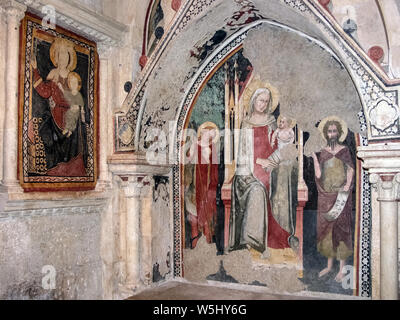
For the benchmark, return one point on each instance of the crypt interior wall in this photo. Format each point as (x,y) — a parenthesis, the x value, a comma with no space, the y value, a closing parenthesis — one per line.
(129,232)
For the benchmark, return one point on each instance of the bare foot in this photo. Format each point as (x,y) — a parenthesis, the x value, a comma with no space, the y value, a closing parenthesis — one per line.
(324,272)
(339,276)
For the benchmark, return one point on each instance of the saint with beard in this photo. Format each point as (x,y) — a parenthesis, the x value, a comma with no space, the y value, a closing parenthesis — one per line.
(334,172)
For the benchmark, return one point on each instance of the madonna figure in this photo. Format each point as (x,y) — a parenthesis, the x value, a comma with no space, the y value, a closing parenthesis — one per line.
(252,224)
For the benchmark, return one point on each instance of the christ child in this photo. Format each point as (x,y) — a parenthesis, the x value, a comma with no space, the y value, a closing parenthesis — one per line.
(75,99)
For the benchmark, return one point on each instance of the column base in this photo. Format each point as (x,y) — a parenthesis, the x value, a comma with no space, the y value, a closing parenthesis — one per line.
(7,188)
(126,291)
(11,187)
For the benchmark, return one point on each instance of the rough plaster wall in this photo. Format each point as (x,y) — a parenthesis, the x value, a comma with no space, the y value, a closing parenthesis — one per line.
(71,244)
(161,230)
(201,264)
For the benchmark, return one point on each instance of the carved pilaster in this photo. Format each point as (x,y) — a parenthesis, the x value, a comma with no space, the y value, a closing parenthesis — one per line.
(104,50)
(383,164)
(138,194)
(14,12)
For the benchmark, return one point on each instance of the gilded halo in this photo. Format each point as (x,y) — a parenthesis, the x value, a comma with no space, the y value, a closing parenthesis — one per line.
(292,122)
(257,83)
(334,118)
(65,44)
(210,126)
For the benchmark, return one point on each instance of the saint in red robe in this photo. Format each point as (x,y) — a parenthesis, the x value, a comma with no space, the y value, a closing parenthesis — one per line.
(206,194)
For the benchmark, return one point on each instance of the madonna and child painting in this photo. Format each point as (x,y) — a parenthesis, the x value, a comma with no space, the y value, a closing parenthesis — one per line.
(58,101)
(254,187)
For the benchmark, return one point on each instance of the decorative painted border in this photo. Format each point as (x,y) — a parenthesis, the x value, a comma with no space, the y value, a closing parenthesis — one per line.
(365,217)
(365,225)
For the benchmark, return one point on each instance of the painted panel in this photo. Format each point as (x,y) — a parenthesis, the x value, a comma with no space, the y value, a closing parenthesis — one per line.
(58,109)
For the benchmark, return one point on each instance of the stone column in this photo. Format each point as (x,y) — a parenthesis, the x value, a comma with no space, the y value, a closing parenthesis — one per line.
(133,187)
(14,14)
(387,185)
(135,178)
(104,176)
(383,163)
(146,231)
(3,39)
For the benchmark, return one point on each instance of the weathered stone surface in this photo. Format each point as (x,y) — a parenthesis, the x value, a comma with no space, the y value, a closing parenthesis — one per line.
(71,244)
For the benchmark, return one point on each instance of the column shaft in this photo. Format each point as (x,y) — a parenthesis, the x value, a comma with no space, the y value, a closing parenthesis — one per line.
(103,116)
(389,250)
(132,241)
(3,39)
(10,153)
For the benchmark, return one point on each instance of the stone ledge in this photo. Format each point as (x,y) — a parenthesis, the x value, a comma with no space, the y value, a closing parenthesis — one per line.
(83,21)
(380,157)
(38,208)
(135,164)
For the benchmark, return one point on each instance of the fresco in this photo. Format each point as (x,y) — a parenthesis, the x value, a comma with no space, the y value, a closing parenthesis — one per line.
(276,203)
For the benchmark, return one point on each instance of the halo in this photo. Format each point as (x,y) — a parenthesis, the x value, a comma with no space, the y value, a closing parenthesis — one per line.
(255,84)
(69,46)
(208,125)
(343,124)
(292,121)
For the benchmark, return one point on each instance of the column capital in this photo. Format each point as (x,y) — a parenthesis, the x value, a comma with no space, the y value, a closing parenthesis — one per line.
(387,185)
(13,10)
(382,161)
(136,186)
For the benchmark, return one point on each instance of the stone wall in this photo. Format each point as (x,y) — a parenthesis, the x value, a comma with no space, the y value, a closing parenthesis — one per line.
(34,242)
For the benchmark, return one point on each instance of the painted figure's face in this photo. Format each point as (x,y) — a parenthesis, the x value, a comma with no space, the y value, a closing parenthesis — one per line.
(63,58)
(74,84)
(208,135)
(261,103)
(333,136)
(333,133)
(283,123)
